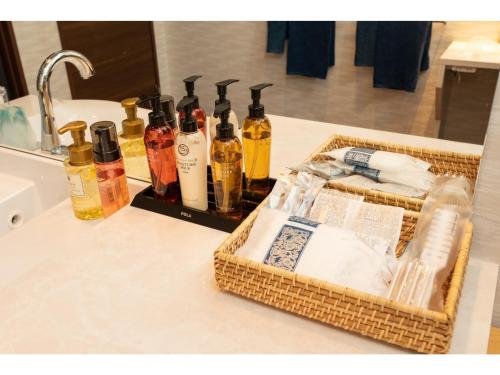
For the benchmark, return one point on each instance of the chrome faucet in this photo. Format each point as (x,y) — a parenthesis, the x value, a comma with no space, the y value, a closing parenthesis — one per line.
(50,138)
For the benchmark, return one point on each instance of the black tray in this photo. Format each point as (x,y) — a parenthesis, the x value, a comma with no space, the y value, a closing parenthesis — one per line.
(147,201)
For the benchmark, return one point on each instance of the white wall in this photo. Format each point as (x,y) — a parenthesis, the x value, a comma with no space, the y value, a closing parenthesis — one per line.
(486,218)
(36,41)
(220,50)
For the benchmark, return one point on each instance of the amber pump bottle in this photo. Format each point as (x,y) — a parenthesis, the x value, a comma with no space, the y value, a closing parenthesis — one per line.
(110,169)
(222,92)
(198,113)
(131,141)
(257,143)
(159,139)
(226,161)
(81,173)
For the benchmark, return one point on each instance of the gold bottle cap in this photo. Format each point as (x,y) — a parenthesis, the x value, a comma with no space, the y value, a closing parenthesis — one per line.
(80,152)
(133,127)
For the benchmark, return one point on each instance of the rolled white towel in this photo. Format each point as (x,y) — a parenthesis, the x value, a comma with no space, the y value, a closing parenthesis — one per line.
(382,160)
(420,179)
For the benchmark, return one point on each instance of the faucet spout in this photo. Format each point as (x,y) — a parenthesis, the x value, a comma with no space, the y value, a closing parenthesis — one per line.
(50,138)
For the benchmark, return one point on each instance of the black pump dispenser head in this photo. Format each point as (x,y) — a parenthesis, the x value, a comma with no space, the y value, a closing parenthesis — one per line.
(222,90)
(256,110)
(188,123)
(156,116)
(168,107)
(105,142)
(224,128)
(189,83)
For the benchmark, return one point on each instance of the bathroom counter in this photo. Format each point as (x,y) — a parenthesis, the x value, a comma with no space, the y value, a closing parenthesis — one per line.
(474,54)
(139,282)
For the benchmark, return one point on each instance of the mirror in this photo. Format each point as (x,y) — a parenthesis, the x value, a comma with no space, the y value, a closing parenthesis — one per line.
(350,80)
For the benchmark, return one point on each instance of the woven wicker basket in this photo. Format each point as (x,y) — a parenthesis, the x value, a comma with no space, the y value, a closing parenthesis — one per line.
(407,326)
(441,162)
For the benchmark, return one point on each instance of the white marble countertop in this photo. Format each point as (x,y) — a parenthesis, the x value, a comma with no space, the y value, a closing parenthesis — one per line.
(480,53)
(139,282)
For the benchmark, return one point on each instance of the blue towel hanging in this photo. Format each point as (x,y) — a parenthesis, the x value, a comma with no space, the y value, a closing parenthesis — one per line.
(311,45)
(398,51)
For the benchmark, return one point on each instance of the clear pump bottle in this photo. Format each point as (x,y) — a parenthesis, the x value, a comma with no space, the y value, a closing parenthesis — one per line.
(131,141)
(226,161)
(191,156)
(81,173)
(222,91)
(257,143)
(110,169)
(198,113)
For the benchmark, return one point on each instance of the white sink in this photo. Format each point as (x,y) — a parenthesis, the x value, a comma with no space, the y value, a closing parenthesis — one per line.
(89,111)
(29,185)
(18,202)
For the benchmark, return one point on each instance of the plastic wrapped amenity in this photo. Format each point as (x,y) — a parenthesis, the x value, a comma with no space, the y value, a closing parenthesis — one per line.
(421,275)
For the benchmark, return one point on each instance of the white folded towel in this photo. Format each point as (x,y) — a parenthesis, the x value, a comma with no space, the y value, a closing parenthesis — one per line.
(321,251)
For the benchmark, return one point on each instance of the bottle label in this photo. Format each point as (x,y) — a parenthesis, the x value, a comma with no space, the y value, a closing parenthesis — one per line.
(185,161)
(183,149)
(76,185)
